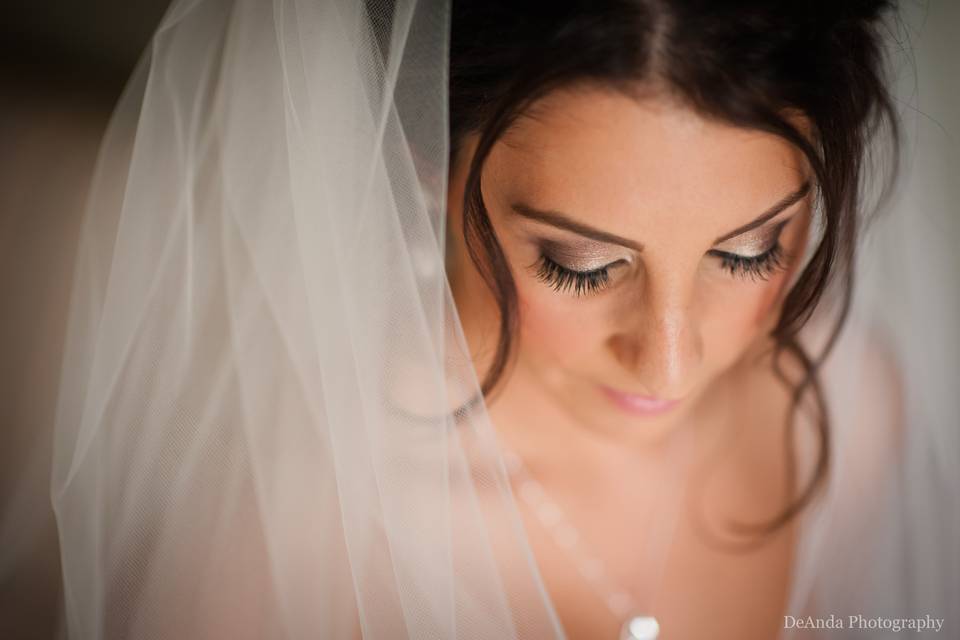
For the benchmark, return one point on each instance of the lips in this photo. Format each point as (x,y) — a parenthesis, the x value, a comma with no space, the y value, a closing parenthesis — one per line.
(637,404)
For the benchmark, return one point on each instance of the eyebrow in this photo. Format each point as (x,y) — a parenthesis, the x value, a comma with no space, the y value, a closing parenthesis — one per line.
(562,221)
(782,204)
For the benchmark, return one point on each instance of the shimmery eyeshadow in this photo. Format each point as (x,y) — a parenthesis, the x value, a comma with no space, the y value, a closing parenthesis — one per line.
(580,256)
(758,242)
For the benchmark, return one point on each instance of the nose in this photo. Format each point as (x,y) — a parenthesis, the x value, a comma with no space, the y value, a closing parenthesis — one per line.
(659,345)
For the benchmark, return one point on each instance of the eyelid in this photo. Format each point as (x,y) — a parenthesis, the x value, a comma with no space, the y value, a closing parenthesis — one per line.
(757,241)
(581,256)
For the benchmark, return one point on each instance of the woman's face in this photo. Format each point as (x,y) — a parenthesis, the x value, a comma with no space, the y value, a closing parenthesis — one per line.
(644,244)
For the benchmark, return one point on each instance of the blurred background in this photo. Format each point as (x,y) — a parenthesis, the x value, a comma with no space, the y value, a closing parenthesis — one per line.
(62,67)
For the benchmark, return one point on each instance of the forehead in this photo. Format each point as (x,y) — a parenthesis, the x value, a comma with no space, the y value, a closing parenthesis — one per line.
(612,157)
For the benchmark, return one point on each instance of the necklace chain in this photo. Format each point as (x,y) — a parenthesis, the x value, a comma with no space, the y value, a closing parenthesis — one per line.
(621,603)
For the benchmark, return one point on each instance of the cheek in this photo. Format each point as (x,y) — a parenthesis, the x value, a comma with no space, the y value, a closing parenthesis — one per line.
(730,328)
(556,329)
(752,312)
(768,302)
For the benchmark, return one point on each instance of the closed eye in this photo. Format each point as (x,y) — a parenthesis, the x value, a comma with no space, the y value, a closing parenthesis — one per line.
(562,279)
(759,267)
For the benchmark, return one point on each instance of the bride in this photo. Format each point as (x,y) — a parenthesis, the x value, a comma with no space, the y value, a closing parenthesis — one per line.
(394,320)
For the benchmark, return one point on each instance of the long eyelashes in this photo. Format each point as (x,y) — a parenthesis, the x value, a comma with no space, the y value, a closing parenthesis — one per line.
(759,267)
(563,279)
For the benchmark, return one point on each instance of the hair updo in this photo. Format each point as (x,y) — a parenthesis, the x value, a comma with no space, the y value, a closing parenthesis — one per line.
(748,63)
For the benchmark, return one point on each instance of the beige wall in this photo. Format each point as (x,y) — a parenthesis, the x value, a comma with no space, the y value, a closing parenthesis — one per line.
(48,142)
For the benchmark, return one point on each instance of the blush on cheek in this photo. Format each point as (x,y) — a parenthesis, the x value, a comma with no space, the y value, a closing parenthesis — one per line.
(730,330)
(550,332)
(768,304)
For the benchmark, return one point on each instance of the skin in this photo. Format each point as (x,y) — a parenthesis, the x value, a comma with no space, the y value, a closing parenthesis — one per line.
(671,323)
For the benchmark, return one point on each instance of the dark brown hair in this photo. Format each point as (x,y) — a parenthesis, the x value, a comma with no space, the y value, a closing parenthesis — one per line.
(745,63)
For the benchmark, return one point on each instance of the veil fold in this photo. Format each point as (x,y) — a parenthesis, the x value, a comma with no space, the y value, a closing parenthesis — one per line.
(256,433)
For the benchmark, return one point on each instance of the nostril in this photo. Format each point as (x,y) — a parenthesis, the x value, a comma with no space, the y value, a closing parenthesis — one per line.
(626,350)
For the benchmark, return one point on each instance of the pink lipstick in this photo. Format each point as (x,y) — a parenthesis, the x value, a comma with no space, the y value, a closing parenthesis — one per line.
(639,405)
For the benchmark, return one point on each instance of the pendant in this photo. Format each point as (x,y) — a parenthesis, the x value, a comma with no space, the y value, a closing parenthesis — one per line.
(640,628)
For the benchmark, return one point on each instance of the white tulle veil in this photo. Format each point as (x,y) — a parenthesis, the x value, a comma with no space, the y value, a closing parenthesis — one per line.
(257,435)
(266,424)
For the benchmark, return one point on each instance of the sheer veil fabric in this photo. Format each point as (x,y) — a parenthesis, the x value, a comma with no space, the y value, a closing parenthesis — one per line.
(267,423)
(256,435)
